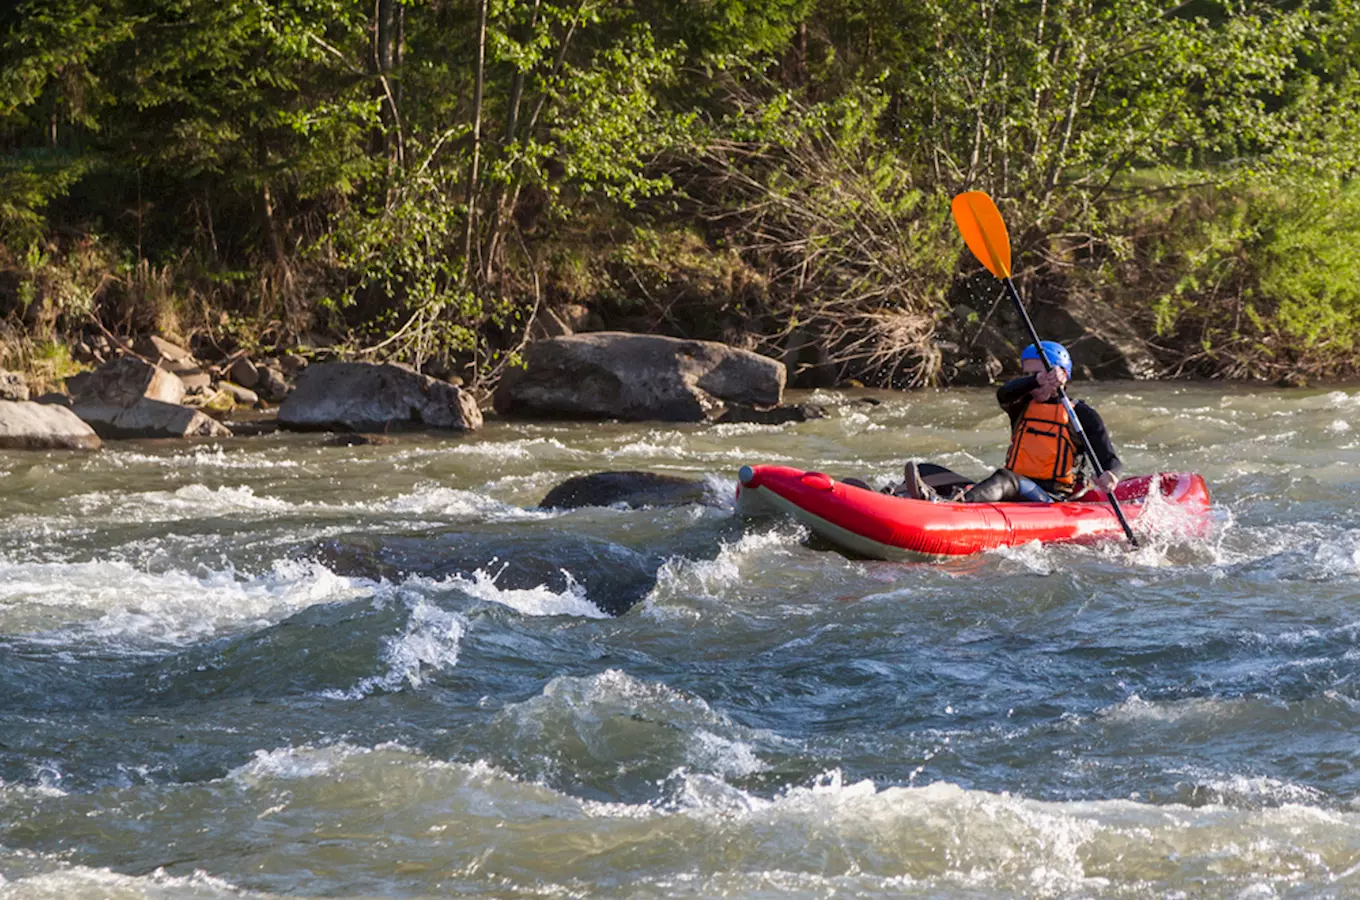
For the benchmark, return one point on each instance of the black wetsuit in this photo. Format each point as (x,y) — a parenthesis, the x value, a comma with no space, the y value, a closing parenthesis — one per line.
(1014,397)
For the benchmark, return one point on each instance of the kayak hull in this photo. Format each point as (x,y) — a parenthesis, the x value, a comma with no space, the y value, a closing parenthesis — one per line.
(880,526)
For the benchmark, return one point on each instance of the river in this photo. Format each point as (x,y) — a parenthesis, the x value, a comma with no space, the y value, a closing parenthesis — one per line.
(270,667)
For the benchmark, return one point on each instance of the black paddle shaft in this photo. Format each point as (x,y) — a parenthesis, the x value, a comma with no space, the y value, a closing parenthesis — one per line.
(1072,419)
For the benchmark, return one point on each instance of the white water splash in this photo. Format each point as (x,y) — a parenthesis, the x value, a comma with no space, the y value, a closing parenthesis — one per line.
(429,643)
(680,578)
(71,882)
(614,719)
(203,456)
(126,608)
(535,601)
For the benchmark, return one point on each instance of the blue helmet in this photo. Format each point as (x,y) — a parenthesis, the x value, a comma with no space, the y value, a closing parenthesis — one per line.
(1057,355)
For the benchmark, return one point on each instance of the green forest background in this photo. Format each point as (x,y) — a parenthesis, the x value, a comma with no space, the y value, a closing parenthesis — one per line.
(421,181)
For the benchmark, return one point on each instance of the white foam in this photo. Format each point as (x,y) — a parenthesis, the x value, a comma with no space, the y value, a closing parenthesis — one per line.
(306,761)
(504,451)
(198,501)
(1137,710)
(194,501)
(70,882)
(429,643)
(535,601)
(126,608)
(713,578)
(446,502)
(202,456)
(589,709)
(675,450)
(1252,790)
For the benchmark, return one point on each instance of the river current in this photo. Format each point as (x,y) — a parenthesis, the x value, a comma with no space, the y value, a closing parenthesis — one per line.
(271,667)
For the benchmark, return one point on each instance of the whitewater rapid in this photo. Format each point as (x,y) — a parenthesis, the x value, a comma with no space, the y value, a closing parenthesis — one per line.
(268,667)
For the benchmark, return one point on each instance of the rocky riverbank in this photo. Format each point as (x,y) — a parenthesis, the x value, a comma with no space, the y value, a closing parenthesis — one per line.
(155,388)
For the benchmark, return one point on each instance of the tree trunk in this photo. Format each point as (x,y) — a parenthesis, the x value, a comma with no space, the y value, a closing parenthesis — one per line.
(267,219)
(388,24)
(478,85)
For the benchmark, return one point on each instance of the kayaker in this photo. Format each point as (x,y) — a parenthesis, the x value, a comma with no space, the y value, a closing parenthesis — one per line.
(1045,459)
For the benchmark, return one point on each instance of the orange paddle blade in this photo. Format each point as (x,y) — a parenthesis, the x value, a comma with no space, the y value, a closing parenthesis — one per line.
(983,231)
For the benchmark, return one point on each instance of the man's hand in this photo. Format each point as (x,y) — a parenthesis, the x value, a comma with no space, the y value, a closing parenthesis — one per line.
(1049,382)
(1106,481)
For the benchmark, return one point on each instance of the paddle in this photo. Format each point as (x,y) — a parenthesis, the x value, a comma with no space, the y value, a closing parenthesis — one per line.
(984,232)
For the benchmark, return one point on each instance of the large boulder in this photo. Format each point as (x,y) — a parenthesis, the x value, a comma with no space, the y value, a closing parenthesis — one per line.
(149,418)
(612,375)
(1103,343)
(633,489)
(124,382)
(38,426)
(368,397)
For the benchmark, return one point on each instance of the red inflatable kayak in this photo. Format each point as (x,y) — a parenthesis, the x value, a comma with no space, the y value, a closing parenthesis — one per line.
(880,526)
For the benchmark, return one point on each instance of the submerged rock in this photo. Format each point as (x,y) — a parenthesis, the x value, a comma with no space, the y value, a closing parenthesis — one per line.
(38,426)
(352,439)
(775,415)
(367,397)
(629,488)
(637,377)
(609,576)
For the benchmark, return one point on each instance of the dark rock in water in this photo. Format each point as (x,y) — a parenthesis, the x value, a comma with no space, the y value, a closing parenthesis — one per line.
(355,440)
(614,577)
(630,488)
(366,397)
(775,415)
(53,398)
(638,377)
(254,426)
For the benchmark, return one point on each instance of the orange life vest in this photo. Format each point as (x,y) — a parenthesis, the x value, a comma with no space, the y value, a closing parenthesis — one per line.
(1043,447)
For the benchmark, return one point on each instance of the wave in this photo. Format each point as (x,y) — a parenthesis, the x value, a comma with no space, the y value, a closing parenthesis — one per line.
(429,643)
(125,608)
(71,882)
(202,456)
(540,600)
(681,579)
(591,728)
(498,831)
(198,501)
(120,606)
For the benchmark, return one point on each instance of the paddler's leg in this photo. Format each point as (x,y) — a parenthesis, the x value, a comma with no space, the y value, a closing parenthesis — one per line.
(1003,486)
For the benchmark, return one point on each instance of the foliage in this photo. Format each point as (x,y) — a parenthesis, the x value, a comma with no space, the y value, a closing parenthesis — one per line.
(768,171)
